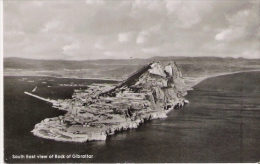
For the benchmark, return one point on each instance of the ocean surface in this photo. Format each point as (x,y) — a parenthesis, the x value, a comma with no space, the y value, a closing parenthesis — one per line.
(221,124)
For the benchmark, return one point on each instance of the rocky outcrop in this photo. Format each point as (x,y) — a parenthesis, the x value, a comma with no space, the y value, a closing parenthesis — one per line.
(149,93)
(162,85)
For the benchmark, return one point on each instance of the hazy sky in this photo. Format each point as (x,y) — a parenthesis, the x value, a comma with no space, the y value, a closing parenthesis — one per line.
(95,29)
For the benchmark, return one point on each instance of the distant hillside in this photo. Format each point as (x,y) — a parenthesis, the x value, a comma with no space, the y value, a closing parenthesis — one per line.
(120,68)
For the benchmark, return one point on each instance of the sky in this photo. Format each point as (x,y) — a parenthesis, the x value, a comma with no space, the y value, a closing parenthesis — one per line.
(124,29)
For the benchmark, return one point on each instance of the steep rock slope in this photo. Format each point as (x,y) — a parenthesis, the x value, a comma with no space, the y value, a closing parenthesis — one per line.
(162,85)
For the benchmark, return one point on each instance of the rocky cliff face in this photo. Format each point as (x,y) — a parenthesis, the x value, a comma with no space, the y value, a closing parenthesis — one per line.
(162,85)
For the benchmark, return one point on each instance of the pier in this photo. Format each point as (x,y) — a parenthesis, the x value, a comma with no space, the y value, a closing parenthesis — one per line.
(41,98)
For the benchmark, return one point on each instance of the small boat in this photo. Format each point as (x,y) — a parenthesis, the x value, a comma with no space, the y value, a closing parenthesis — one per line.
(34,89)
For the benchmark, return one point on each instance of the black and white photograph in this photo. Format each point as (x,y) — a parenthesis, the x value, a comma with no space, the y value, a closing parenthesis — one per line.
(131,81)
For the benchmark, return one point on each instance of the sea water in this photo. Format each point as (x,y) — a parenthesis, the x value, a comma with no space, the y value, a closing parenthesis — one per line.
(221,124)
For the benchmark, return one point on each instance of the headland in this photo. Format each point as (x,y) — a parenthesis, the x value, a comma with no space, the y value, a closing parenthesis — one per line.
(149,93)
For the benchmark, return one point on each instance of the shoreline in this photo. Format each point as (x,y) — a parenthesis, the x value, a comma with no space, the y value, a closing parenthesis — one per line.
(197,80)
(101,136)
(55,128)
(55,131)
(149,93)
(105,79)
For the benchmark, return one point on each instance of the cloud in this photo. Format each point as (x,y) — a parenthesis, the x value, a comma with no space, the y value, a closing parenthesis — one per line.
(99,46)
(251,54)
(242,24)
(217,47)
(96,29)
(240,18)
(232,33)
(151,50)
(149,5)
(172,6)
(188,13)
(125,37)
(95,2)
(51,25)
(14,33)
(109,53)
(71,49)
(148,35)
(142,37)
(38,3)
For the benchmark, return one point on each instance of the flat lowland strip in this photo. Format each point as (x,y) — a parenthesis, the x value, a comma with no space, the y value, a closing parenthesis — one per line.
(120,69)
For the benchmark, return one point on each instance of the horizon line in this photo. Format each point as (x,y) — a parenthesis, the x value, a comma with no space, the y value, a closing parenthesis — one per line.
(137,58)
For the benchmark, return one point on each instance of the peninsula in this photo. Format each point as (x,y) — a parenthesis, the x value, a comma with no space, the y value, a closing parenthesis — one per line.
(102,109)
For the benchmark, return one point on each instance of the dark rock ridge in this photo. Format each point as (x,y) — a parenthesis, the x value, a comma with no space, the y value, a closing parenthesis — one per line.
(149,93)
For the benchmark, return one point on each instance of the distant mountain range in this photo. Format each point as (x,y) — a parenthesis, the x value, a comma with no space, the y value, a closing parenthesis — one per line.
(23,63)
(120,68)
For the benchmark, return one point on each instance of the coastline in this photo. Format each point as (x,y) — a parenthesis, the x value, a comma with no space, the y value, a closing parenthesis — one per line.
(53,128)
(100,110)
(105,79)
(98,136)
(104,130)
(197,80)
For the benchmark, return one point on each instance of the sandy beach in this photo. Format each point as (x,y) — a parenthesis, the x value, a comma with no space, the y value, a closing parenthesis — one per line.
(192,81)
